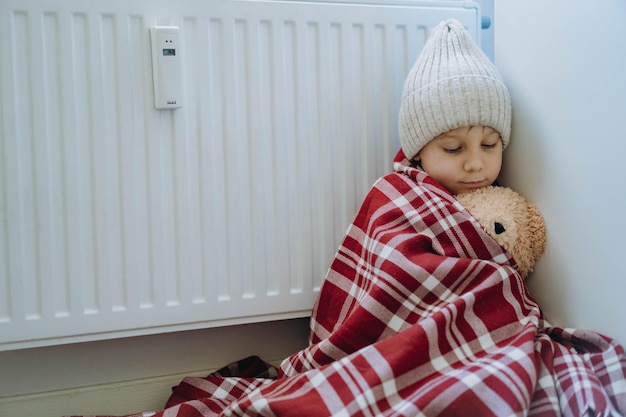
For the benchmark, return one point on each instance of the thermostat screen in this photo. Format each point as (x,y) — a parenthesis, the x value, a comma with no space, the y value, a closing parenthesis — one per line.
(169,52)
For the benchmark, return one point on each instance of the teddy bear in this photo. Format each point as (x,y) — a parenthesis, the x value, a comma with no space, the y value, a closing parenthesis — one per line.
(511,220)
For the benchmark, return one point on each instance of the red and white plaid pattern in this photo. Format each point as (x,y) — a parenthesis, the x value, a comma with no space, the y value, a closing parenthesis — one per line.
(423,314)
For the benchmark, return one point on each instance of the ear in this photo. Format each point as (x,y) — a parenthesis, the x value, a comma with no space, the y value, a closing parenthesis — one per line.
(537,228)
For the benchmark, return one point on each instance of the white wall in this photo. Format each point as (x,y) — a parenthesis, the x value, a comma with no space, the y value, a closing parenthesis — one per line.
(72,379)
(565,65)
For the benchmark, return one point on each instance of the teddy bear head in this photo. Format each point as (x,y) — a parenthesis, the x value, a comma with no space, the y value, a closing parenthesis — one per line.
(511,220)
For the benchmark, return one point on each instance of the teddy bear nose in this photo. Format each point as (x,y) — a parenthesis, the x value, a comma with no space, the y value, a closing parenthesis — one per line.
(499,228)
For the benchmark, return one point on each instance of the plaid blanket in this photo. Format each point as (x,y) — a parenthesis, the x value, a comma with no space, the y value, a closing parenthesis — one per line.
(421,314)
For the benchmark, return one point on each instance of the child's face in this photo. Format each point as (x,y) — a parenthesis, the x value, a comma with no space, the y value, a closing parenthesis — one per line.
(463,159)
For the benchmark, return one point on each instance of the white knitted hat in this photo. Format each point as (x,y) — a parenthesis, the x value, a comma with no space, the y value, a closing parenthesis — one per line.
(452,84)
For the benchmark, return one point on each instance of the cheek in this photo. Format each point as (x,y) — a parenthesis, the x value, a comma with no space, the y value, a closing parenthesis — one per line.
(436,167)
(496,164)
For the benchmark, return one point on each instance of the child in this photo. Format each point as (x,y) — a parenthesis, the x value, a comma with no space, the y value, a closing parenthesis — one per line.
(410,237)
(455,116)
(421,311)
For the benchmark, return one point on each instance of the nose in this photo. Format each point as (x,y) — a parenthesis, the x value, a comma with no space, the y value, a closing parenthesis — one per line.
(473,161)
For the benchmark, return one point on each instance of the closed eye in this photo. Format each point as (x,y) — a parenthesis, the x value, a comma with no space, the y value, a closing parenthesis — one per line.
(452,150)
(490,146)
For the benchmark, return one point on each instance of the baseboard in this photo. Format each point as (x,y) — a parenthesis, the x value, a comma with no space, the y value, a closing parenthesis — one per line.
(110,399)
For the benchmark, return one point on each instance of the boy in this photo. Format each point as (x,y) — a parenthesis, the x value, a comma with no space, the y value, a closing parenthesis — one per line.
(455,116)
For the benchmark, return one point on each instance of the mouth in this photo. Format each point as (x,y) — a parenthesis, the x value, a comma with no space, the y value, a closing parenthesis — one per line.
(473,184)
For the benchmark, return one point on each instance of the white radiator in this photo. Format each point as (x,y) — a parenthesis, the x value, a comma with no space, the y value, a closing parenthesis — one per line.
(117,219)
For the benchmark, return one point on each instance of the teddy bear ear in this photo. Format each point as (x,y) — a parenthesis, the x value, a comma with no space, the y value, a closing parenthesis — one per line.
(537,228)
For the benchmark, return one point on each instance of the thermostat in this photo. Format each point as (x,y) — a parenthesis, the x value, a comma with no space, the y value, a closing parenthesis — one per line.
(166,67)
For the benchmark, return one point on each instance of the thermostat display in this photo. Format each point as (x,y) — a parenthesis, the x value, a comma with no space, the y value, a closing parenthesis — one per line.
(166,67)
